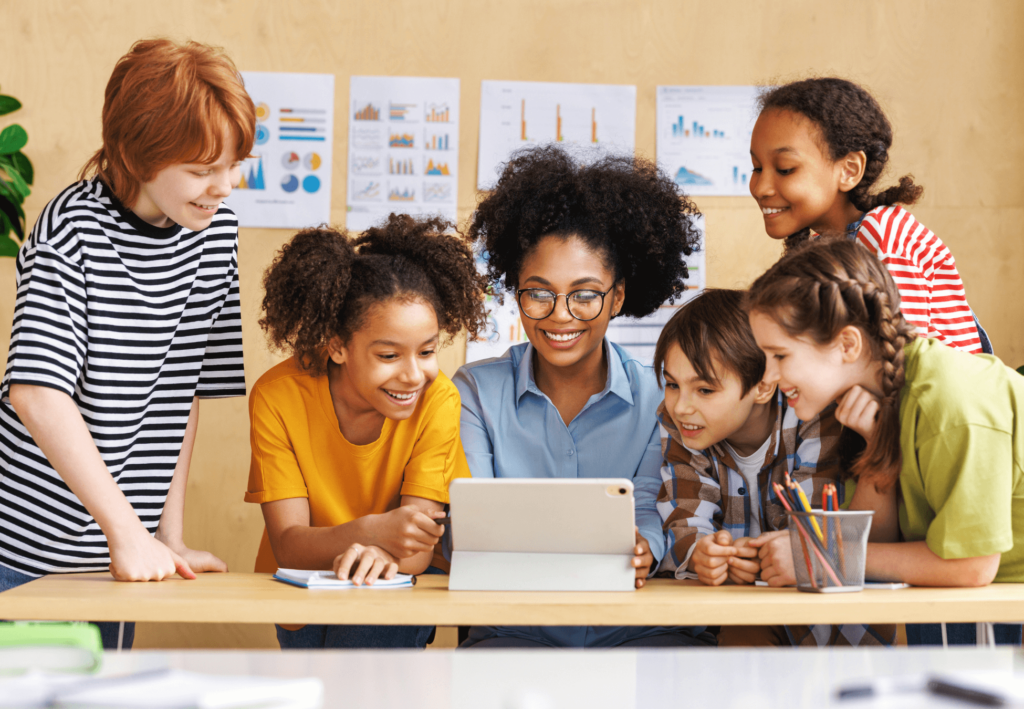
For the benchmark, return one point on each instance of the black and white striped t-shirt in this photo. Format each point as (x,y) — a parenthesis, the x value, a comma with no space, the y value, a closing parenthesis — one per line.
(132,321)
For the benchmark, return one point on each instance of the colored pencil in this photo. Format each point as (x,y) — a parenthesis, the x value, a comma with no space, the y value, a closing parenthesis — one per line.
(803,544)
(807,508)
(816,544)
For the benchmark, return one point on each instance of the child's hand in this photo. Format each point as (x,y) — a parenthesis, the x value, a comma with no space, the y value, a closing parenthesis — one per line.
(141,557)
(744,567)
(643,559)
(407,530)
(858,410)
(710,558)
(365,564)
(776,558)
(202,562)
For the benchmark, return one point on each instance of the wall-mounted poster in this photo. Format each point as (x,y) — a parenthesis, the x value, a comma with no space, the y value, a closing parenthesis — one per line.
(403,148)
(287,182)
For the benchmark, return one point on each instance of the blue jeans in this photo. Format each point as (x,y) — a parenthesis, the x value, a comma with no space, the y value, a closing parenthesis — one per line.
(959,634)
(9,578)
(357,636)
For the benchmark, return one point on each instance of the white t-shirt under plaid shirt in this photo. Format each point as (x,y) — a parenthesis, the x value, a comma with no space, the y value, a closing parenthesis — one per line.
(132,322)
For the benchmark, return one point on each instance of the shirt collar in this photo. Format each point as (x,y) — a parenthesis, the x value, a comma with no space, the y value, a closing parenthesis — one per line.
(617,382)
(853,227)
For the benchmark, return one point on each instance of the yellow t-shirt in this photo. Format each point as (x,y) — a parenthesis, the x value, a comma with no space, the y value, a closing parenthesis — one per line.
(298,450)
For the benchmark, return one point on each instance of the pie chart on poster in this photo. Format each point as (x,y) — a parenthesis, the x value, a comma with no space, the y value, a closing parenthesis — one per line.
(311,161)
(262,134)
(290,183)
(290,160)
(311,183)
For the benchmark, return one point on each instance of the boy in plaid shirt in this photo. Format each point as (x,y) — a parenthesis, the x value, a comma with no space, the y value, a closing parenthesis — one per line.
(727,435)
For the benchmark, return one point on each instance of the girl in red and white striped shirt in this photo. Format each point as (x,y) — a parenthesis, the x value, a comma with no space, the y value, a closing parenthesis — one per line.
(818,147)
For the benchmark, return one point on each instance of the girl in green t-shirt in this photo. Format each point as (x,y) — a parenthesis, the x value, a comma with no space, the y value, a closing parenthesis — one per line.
(944,424)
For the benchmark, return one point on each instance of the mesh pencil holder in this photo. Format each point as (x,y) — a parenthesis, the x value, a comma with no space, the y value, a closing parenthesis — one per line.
(829,549)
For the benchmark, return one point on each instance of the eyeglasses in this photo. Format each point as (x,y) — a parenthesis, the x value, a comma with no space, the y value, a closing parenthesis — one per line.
(539,303)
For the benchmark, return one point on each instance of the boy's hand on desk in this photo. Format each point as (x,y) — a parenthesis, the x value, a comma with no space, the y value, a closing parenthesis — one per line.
(407,530)
(710,558)
(776,558)
(200,562)
(744,567)
(141,557)
(643,559)
(365,564)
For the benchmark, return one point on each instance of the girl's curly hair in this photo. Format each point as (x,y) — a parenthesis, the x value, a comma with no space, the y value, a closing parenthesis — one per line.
(323,282)
(622,207)
(850,120)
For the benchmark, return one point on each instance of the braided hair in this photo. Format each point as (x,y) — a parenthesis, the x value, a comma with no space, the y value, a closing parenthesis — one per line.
(850,120)
(323,282)
(622,207)
(832,283)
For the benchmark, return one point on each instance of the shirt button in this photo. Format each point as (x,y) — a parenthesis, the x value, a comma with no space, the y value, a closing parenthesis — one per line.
(742,491)
(570,452)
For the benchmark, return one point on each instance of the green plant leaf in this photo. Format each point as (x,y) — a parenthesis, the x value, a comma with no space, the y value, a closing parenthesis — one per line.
(13,216)
(18,183)
(8,104)
(23,165)
(12,195)
(8,246)
(12,139)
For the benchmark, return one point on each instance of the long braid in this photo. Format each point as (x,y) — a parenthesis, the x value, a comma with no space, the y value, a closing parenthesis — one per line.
(824,286)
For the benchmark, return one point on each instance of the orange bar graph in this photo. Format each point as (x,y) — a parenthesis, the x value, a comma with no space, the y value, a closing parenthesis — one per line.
(369,113)
(593,125)
(436,116)
(558,126)
(523,120)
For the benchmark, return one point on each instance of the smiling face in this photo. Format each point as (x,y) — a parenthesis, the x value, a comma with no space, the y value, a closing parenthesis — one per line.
(564,265)
(706,412)
(390,361)
(794,180)
(189,194)
(811,376)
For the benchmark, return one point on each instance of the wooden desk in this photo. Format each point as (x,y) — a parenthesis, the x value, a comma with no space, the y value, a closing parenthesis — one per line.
(255,598)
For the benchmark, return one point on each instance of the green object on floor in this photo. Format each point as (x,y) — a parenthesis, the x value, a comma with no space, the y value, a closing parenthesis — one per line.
(50,647)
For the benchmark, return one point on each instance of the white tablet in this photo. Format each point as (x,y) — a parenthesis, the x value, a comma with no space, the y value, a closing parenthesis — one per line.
(544,534)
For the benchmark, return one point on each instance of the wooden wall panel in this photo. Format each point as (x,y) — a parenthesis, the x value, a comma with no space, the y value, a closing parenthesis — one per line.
(949,74)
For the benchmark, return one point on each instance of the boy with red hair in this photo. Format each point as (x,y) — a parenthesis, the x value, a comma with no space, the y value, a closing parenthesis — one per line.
(127,314)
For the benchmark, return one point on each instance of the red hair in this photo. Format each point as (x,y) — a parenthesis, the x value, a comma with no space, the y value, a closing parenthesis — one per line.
(169,104)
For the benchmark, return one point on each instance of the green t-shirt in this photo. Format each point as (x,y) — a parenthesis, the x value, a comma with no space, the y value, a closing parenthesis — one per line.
(962,435)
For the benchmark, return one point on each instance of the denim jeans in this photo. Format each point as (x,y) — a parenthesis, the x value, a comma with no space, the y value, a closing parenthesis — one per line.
(959,634)
(357,636)
(9,578)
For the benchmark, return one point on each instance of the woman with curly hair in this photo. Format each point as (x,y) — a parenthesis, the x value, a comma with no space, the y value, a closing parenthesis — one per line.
(578,245)
(355,437)
(818,148)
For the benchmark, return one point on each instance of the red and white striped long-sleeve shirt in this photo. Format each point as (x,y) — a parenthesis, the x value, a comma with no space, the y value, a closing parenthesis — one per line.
(931,291)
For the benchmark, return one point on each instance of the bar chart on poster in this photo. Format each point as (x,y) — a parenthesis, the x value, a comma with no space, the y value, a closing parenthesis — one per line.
(286,183)
(704,137)
(403,153)
(594,118)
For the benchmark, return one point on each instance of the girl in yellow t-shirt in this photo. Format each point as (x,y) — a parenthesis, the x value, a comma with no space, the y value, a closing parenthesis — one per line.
(355,438)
